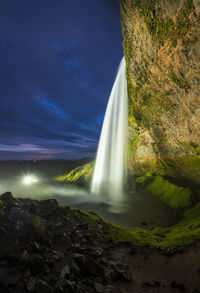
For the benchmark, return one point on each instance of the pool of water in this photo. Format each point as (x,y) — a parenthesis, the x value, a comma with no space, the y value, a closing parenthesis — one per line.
(136,208)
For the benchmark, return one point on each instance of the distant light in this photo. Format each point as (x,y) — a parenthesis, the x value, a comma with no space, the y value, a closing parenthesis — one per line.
(29,180)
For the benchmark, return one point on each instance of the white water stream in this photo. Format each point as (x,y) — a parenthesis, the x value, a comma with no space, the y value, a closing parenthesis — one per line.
(110,166)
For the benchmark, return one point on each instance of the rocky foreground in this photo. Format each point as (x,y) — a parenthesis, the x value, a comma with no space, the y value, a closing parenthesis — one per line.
(45,248)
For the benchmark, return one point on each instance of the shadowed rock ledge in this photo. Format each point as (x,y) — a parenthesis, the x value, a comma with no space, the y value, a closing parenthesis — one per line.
(46,248)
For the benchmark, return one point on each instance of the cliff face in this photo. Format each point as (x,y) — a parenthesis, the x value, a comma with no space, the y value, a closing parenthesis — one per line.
(162,51)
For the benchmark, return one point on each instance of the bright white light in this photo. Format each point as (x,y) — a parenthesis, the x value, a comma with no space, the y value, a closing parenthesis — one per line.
(29,180)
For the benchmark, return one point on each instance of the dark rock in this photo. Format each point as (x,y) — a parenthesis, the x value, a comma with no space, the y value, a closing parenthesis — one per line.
(12,277)
(38,265)
(144,223)
(43,287)
(31,284)
(65,272)
(7,197)
(152,284)
(79,258)
(95,268)
(71,285)
(32,208)
(35,246)
(99,288)
(2,231)
(75,266)
(104,260)
(176,285)
(27,273)
(121,274)
(133,250)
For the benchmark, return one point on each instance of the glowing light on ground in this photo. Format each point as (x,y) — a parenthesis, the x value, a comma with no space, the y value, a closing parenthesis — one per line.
(28,180)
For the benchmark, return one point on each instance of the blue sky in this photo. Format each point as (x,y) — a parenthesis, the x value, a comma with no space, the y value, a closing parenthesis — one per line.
(58,63)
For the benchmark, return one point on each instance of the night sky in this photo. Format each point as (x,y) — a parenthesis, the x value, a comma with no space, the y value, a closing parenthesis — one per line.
(58,61)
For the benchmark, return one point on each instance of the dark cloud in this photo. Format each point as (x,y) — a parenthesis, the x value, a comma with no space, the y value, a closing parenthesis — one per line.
(58,63)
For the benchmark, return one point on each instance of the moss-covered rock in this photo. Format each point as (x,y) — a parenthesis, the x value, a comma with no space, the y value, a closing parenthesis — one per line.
(183,233)
(80,175)
(170,193)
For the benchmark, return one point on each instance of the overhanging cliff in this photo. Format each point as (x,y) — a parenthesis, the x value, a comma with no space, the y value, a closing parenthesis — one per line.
(162,51)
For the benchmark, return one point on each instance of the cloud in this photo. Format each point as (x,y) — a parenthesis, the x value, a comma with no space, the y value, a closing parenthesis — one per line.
(58,63)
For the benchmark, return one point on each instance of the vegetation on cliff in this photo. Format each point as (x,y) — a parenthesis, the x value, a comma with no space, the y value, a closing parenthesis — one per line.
(161,48)
(79,175)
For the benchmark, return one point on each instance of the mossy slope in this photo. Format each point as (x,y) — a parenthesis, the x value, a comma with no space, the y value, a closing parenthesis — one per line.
(80,175)
(183,233)
(171,194)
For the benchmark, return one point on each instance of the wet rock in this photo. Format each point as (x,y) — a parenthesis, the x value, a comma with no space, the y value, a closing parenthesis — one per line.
(2,274)
(7,197)
(27,273)
(2,231)
(176,285)
(84,289)
(121,274)
(56,254)
(38,265)
(31,284)
(12,277)
(71,285)
(99,288)
(35,246)
(104,260)
(47,209)
(79,258)
(65,272)
(32,208)
(75,266)
(43,287)
(24,256)
(95,268)
(152,284)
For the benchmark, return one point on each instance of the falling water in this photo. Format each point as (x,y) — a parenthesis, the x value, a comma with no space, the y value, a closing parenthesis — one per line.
(110,166)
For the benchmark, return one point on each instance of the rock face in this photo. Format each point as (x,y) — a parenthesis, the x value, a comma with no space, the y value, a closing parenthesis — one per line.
(162,51)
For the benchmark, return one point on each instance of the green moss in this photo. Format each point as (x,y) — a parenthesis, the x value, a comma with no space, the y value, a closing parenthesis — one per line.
(145,178)
(81,174)
(186,166)
(182,83)
(194,148)
(2,206)
(160,28)
(136,235)
(171,194)
(183,233)
(90,217)
(132,145)
(183,21)
(37,224)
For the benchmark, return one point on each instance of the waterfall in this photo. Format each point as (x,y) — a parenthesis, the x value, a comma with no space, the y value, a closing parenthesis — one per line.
(110,165)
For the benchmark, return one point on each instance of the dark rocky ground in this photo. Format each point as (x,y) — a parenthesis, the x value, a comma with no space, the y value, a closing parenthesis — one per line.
(45,248)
